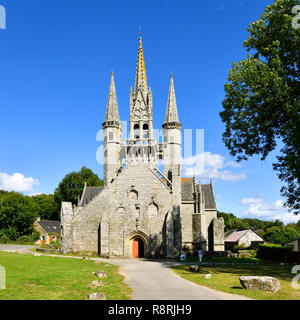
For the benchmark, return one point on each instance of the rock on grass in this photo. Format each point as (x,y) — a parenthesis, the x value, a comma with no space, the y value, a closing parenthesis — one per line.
(260,283)
(96,296)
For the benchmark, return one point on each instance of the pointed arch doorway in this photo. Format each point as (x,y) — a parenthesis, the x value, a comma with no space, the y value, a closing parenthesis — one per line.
(138,248)
(137,245)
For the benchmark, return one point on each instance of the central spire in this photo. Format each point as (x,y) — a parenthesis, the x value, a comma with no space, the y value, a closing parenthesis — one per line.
(141,78)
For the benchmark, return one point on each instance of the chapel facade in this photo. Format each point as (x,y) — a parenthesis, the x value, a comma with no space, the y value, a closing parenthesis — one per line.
(141,211)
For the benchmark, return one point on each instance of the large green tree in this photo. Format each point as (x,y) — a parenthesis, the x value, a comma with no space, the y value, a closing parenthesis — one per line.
(46,207)
(262,104)
(17,215)
(281,235)
(72,185)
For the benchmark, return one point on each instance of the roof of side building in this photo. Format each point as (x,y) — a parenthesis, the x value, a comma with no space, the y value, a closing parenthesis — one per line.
(187,191)
(89,194)
(50,226)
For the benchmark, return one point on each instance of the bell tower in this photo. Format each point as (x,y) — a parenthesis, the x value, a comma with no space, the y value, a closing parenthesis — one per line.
(141,146)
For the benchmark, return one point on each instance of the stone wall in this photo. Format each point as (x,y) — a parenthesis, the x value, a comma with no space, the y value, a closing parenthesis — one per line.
(137,202)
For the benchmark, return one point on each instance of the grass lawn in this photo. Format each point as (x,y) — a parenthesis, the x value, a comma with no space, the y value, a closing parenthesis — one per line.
(226,278)
(48,278)
(223,259)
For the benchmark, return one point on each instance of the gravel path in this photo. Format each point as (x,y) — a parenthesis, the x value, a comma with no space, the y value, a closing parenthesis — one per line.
(15,248)
(154,280)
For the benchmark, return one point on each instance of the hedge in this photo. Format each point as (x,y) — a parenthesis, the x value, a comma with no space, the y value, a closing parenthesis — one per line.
(273,252)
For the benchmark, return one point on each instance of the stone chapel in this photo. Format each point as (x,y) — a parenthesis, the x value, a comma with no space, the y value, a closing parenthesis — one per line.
(141,211)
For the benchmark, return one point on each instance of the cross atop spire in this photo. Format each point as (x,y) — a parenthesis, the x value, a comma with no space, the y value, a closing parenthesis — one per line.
(141,78)
(172,114)
(112,110)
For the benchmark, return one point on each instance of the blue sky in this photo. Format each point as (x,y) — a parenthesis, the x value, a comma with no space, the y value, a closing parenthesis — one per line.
(56,58)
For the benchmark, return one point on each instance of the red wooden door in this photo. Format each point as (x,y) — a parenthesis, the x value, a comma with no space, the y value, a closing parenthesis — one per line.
(135,248)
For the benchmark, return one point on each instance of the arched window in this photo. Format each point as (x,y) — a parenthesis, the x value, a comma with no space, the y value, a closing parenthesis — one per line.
(145,126)
(133,195)
(153,210)
(136,126)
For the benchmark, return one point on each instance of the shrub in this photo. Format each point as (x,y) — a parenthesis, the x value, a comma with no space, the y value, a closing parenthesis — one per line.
(273,252)
(240,247)
(4,239)
(35,236)
(24,239)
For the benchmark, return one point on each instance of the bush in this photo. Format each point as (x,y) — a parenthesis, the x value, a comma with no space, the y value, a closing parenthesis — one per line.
(273,252)
(4,239)
(35,236)
(24,239)
(240,247)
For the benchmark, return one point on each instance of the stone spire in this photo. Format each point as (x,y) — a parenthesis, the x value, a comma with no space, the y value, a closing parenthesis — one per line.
(141,78)
(112,110)
(172,114)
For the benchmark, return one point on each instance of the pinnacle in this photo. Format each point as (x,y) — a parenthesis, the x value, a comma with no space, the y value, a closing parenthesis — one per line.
(171,114)
(112,110)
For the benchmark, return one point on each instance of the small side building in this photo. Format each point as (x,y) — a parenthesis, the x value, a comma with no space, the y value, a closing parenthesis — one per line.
(295,245)
(247,237)
(49,230)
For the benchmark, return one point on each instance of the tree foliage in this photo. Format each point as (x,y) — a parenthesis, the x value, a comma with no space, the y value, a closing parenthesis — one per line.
(271,231)
(281,235)
(46,207)
(17,215)
(72,185)
(262,102)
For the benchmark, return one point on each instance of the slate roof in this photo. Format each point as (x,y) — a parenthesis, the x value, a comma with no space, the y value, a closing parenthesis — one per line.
(209,197)
(89,194)
(235,236)
(187,191)
(50,226)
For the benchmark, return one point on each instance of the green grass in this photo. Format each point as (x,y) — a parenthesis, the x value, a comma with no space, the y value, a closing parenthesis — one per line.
(48,278)
(226,278)
(223,260)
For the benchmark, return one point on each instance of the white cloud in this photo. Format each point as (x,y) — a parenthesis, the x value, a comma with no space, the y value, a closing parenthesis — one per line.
(17,182)
(34,194)
(210,166)
(251,201)
(258,208)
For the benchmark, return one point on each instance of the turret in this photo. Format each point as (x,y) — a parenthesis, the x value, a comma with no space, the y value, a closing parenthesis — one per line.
(172,139)
(112,135)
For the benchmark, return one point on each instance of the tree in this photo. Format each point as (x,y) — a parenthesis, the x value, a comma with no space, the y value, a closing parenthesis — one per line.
(232,222)
(72,185)
(281,235)
(17,215)
(46,207)
(262,102)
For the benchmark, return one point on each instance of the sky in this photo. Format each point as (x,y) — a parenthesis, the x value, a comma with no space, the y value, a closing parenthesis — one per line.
(55,63)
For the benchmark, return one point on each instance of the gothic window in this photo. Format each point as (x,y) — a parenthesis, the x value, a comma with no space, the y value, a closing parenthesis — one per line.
(121,210)
(136,127)
(133,195)
(145,126)
(153,210)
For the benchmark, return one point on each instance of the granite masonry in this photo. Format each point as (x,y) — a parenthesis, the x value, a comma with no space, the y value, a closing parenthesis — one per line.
(140,211)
